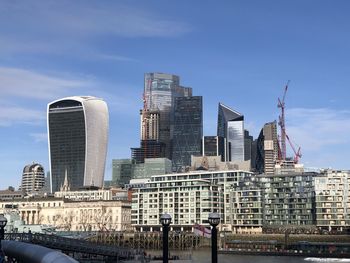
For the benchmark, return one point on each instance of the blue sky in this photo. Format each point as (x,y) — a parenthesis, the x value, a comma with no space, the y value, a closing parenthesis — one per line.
(240,53)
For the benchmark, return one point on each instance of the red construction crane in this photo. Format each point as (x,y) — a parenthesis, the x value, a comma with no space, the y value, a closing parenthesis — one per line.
(282,147)
(282,124)
(297,153)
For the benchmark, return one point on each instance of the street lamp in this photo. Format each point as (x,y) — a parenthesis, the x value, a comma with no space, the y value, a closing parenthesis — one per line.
(3,222)
(165,219)
(214,220)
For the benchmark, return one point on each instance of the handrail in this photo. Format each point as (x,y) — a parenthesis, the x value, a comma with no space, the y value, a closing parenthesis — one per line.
(69,244)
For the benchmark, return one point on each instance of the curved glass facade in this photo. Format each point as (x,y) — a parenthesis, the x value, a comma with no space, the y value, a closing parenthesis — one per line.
(78,133)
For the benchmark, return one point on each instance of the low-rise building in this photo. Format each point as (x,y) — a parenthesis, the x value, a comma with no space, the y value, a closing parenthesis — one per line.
(68,215)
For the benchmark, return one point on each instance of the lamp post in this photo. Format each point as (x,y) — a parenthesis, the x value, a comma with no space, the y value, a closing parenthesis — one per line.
(3,222)
(214,220)
(165,219)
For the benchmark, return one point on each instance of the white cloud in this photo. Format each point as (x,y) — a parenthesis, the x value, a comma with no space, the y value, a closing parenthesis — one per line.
(13,115)
(30,84)
(50,26)
(317,129)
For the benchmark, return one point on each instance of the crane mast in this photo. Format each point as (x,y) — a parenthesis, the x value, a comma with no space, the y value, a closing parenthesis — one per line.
(284,136)
(282,124)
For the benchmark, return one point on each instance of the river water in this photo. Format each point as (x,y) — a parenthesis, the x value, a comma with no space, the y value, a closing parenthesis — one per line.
(204,256)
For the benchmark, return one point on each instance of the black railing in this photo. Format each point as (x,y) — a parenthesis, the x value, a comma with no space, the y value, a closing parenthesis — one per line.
(71,245)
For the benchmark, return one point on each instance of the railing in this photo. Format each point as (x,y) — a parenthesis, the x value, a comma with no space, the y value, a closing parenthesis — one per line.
(70,244)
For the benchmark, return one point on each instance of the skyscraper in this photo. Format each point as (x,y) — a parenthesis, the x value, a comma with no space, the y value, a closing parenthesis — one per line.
(33,178)
(78,135)
(188,131)
(231,127)
(248,141)
(267,149)
(160,91)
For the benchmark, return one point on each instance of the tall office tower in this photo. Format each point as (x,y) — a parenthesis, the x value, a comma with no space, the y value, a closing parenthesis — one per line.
(267,149)
(188,131)
(248,141)
(231,127)
(33,178)
(213,146)
(78,135)
(160,91)
(254,155)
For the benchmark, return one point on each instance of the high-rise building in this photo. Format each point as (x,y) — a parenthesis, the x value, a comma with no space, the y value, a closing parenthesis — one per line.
(160,91)
(248,141)
(78,135)
(33,178)
(188,131)
(267,149)
(213,146)
(231,127)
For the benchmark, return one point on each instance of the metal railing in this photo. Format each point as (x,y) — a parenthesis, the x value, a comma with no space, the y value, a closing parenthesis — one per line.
(71,245)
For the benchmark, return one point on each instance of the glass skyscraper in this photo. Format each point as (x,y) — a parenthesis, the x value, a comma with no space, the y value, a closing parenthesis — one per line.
(160,91)
(188,131)
(231,127)
(78,134)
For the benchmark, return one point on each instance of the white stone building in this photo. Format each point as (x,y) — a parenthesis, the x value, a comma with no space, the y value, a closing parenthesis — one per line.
(101,215)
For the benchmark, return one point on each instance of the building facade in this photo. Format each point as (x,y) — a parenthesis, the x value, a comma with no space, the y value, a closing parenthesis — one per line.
(149,124)
(288,199)
(231,127)
(187,197)
(267,149)
(124,170)
(68,215)
(333,200)
(213,146)
(78,136)
(245,210)
(188,131)
(160,91)
(148,149)
(33,178)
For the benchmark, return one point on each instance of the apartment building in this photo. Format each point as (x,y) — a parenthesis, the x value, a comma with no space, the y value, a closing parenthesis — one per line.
(332,200)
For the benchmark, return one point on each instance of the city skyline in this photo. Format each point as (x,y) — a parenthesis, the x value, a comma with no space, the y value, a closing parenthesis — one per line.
(240,54)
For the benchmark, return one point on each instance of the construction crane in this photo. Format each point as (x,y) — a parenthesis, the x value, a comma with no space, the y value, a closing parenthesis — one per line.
(282,153)
(281,123)
(297,153)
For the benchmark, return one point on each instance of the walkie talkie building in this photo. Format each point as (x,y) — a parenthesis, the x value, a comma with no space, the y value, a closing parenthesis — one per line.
(78,136)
